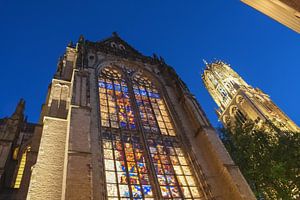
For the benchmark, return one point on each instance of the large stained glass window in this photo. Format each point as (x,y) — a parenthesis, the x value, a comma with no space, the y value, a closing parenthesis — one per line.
(143,156)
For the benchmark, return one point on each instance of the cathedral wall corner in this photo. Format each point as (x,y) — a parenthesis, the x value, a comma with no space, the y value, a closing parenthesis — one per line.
(47,175)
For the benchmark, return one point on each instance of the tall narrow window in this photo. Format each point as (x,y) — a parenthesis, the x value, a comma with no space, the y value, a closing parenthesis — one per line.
(174,175)
(152,108)
(126,172)
(141,149)
(21,169)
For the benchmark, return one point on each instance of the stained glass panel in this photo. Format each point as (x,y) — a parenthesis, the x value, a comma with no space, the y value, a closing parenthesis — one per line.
(122,167)
(152,109)
(115,105)
(173,170)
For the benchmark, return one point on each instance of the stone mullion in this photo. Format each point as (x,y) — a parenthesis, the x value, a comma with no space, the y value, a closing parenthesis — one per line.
(138,172)
(142,191)
(164,136)
(146,146)
(152,177)
(120,132)
(142,100)
(175,175)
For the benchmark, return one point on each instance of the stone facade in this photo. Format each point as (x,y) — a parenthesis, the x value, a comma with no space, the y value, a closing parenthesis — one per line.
(70,160)
(19,142)
(286,12)
(239,102)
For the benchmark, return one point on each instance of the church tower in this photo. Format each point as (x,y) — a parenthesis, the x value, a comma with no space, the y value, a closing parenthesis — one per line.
(239,102)
(121,125)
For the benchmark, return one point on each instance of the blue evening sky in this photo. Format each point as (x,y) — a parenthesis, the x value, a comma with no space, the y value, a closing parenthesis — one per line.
(35,33)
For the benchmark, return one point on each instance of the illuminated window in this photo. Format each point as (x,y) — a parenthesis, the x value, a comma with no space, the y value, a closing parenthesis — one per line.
(141,150)
(21,169)
(152,108)
(115,105)
(126,170)
(15,153)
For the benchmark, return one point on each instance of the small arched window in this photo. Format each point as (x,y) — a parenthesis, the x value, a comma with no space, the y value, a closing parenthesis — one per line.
(121,46)
(114,45)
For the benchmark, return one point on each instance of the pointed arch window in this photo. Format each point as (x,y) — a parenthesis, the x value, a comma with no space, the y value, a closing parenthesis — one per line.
(152,108)
(172,169)
(115,106)
(143,156)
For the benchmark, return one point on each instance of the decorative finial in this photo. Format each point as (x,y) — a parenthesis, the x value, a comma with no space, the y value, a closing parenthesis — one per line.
(155,56)
(19,110)
(207,65)
(70,44)
(81,38)
(161,59)
(115,34)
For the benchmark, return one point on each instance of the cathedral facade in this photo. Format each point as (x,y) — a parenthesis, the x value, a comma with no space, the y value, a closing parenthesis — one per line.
(120,125)
(239,102)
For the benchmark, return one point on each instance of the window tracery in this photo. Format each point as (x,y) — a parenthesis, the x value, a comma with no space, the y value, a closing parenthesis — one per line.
(138,159)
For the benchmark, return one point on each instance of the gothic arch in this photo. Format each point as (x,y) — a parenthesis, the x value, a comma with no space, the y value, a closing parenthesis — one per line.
(239,99)
(102,65)
(261,99)
(153,129)
(232,110)
(226,119)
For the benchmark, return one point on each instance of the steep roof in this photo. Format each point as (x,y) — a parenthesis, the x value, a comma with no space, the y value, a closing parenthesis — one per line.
(116,45)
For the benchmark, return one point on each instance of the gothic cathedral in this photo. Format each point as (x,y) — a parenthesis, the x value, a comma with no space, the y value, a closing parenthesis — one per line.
(119,125)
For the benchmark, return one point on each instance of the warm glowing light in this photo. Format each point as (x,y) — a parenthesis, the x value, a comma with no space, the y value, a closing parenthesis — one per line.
(15,153)
(21,169)
(126,147)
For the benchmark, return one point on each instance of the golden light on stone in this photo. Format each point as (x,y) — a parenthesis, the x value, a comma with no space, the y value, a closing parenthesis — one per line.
(239,102)
(283,11)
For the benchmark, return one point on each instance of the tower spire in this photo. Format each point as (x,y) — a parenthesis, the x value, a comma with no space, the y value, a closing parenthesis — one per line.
(115,34)
(19,112)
